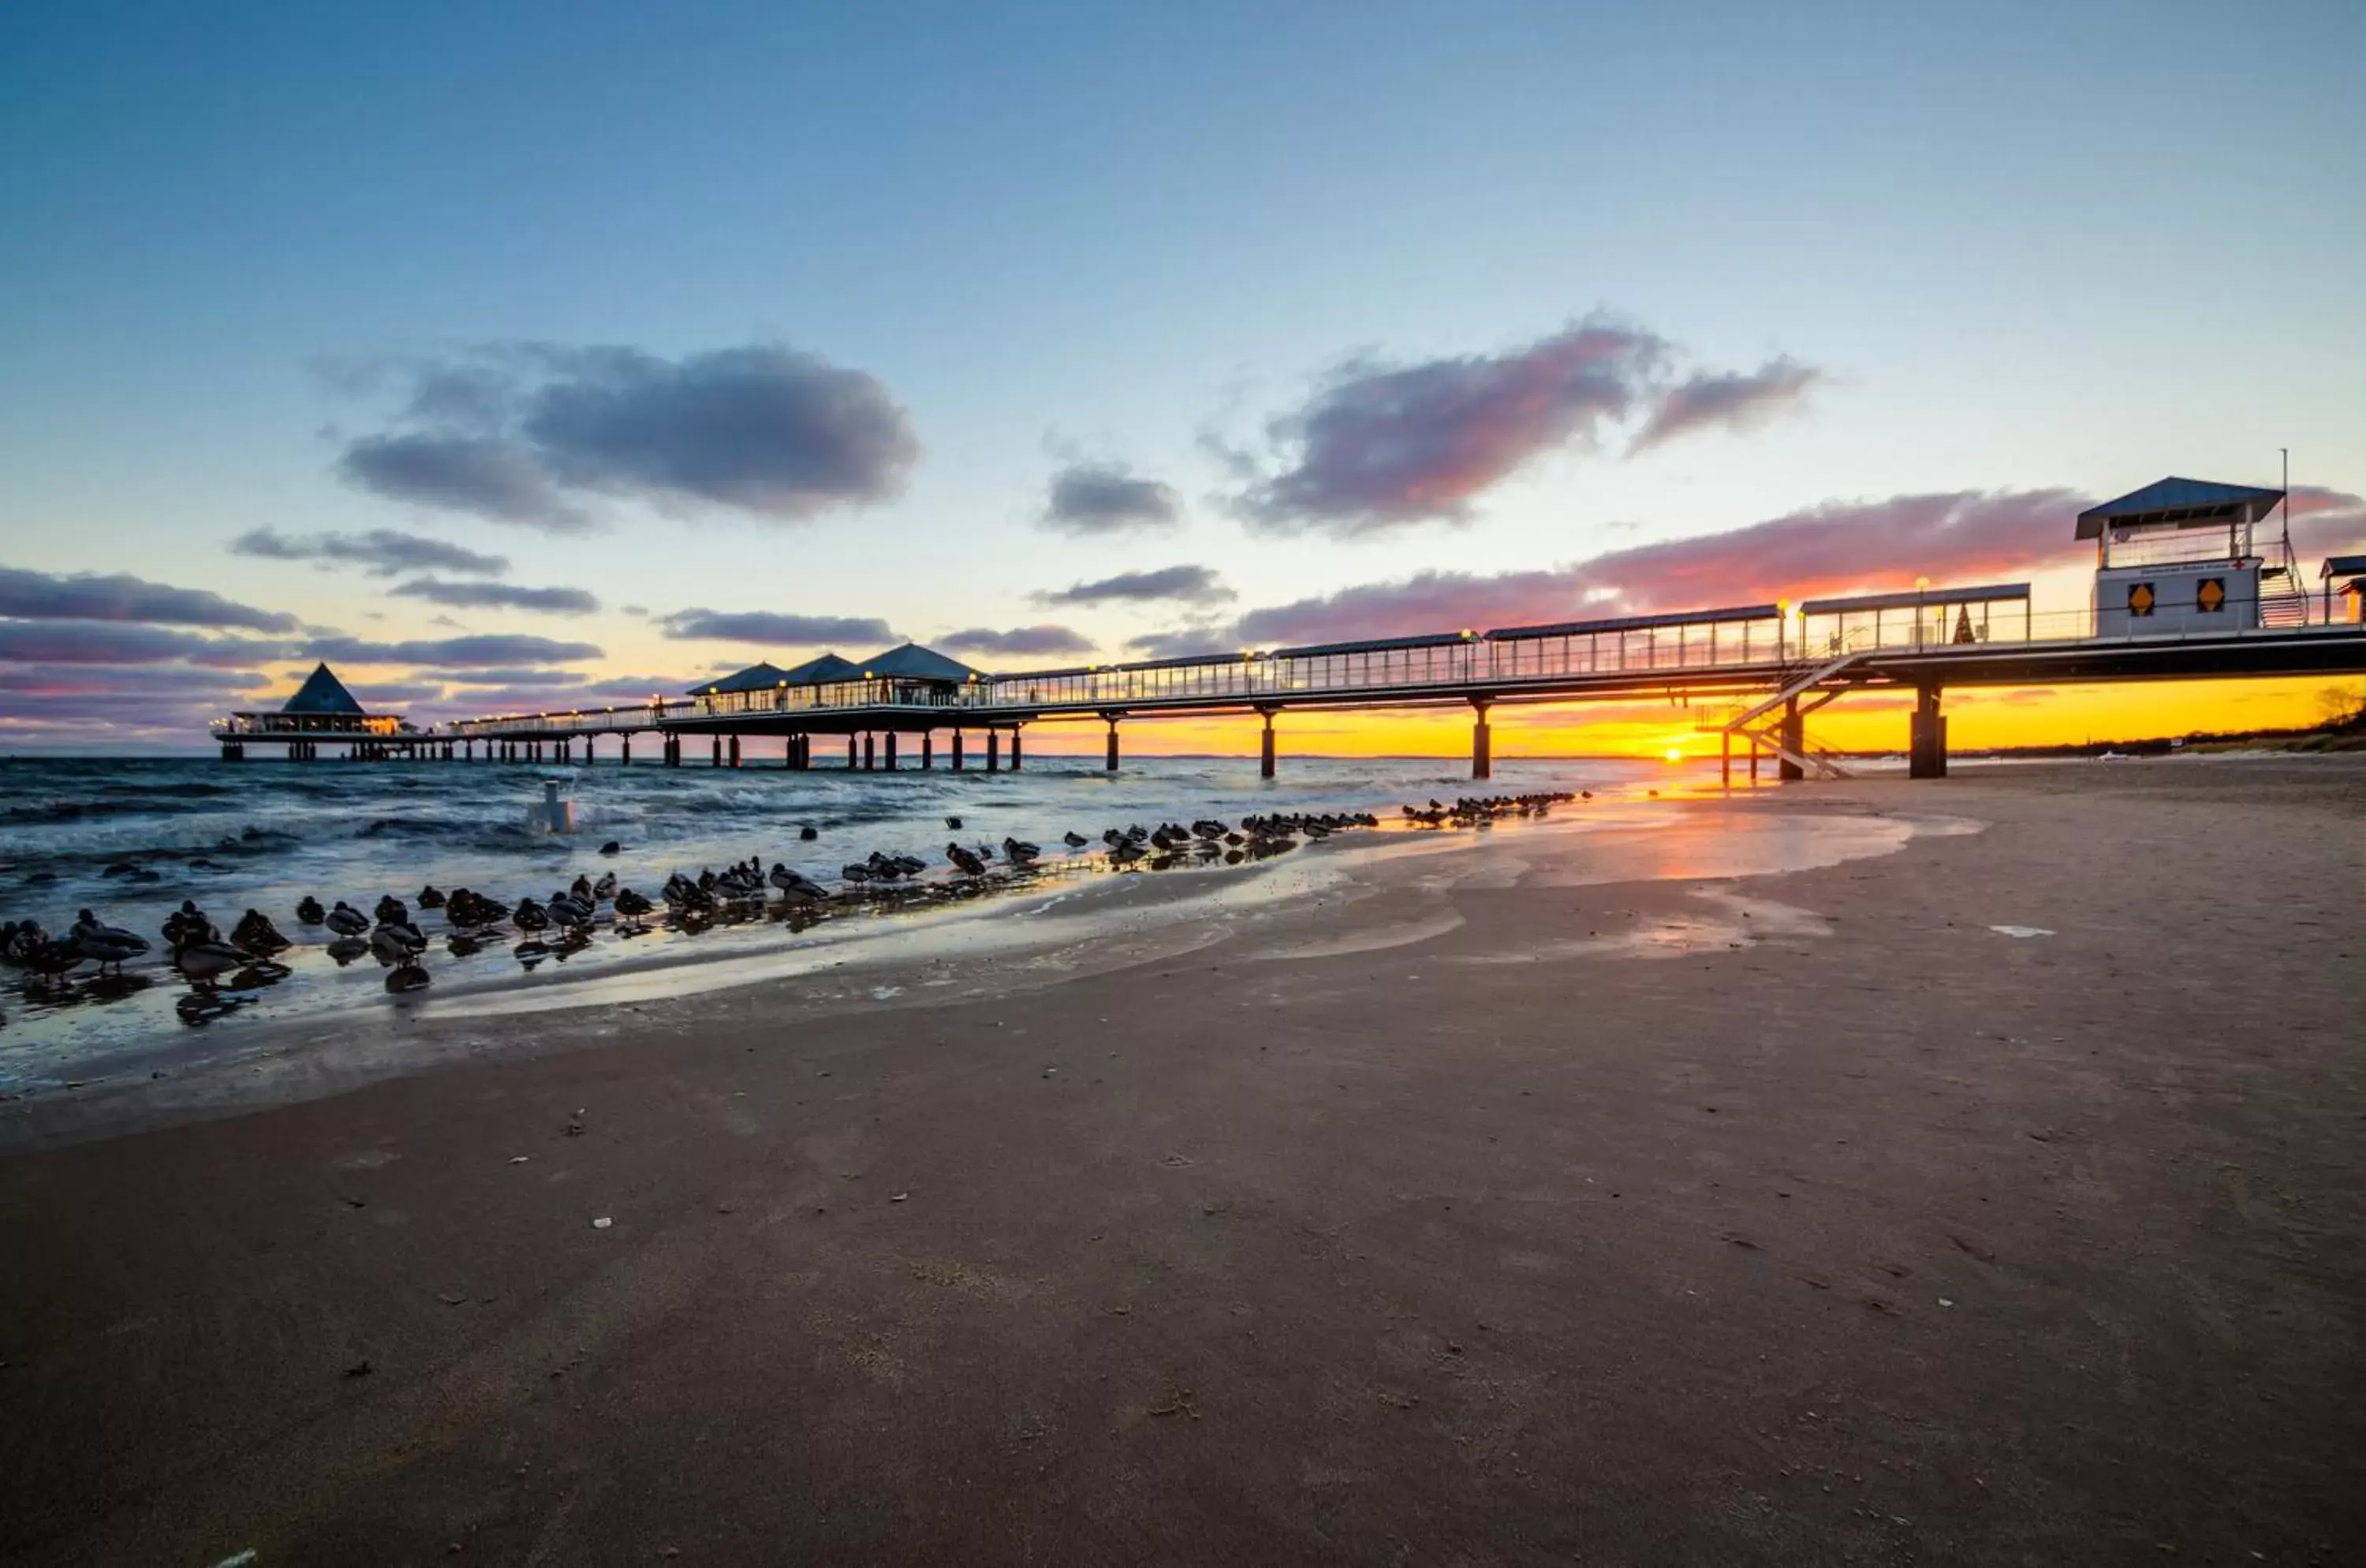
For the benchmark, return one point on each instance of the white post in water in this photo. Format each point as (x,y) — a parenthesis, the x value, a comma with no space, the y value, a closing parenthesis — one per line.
(557,816)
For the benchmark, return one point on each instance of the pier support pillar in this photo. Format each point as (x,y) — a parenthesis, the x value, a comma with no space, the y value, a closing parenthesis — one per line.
(591,746)
(716,760)
(624,745)
(1265,755)
(1725,764)
(928,749)
(1018,757)
(1795,735)
(870,752)
(993,749)
(1482,744)
(1108,763)
(957,750)
(1926,756)
(891,750)
(735,750)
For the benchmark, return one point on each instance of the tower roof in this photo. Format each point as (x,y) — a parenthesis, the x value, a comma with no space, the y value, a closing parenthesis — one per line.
(2176,502)
(913,663)
(321,693)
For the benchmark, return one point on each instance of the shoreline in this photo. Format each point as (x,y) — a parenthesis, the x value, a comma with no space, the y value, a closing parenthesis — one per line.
(1885,1234)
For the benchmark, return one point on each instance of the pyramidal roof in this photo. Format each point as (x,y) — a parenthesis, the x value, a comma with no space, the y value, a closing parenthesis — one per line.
(755,677)
(821,668)
(913,663)
(2175,502)
(321,693)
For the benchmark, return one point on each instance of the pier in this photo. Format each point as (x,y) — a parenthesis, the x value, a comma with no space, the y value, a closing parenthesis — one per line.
(2181,594)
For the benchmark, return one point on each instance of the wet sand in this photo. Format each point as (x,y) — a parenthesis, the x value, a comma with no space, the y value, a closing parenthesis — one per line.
(1485,1212)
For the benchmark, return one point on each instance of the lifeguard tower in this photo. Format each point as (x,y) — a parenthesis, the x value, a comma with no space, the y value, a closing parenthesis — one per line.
(2181,556)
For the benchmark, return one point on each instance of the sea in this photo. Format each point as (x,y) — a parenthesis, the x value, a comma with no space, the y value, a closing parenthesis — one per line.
(129,839)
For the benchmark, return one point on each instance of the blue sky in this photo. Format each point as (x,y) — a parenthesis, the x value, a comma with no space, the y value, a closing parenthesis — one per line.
(2018,250)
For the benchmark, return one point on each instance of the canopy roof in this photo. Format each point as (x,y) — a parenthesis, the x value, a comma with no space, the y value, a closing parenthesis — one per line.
(821,668)
(913,663)
(1916,598)
(2174,503)
(321,693)
(2344,566)
(755,678)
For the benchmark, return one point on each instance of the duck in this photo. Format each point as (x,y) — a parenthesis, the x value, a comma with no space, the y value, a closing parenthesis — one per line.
(308,911)
(405,978)
(604,890)
(392,911)
(397,942)
(530,916)
(1074,840)
(429,899)
(856,874)
(569,911)
(580,889)
(612,847)
(1127,853)
(188,924)
(255,933)
(203,964)
(1019,851)
(808,834)
(346,921)
(631,907)
(50,960)
(18,939)
(969,863)
(954,823)
(796,887)
(108,946)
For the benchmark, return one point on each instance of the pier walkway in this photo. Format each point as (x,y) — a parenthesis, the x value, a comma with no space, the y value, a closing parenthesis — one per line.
(1754,672)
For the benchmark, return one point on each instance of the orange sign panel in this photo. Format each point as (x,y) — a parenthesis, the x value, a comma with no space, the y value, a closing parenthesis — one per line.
(2140,597)
(2210,594)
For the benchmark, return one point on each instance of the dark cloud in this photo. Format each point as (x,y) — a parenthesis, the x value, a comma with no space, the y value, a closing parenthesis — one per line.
(517,675)
(1952,536)
(393,695)
(1031,641)
(486,475)
(1183,642)
(641,610)
(1731,400)
(454,651)
(383,552)
(2327,522)
(86,596)
(1105,498)
(114,642)
(1379,448)
(523,433)
(1182,585)
(101,680)
(768,626)
(500,595)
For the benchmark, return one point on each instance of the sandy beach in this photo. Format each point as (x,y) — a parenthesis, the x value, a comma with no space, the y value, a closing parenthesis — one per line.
(1993,1193)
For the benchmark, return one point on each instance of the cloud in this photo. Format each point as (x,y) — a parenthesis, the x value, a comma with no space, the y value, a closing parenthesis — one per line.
(1182,584)
(1951,536)
(1105,498)
(114,642)
(641,610)
(486,475)
(454,651)
(1026,640)
(1381,447)
(100,680)
(1733,401)
(518,676)
(86,596)
(383,552)
(2327,522)
(500,595)
(1184,642)
(526,433)
(768,626)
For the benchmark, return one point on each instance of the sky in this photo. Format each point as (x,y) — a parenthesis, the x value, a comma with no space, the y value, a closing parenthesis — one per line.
(546,356)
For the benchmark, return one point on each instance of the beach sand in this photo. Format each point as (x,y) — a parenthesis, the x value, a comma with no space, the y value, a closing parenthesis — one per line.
(1488,1214)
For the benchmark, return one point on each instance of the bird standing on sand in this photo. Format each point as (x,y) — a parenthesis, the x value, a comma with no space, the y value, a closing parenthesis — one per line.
(188,924)
(346,921)
(1074,840)
(604,890)
(970,864)
(1019,851)
(397,942)
(392,911)
(530,916)
(630,907)
(308,911)
(255,933)
(107,946)
(429,899)
(205,963)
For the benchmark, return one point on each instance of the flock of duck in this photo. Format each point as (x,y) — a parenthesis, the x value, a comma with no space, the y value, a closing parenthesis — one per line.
(219,967)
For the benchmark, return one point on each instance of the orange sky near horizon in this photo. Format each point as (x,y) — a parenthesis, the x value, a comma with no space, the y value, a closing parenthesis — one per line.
(1869,721)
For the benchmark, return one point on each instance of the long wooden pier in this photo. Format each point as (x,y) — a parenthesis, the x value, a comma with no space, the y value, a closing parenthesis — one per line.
(1771,665)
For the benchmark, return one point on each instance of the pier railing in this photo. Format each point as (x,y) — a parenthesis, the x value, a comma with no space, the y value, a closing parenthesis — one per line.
(1732,647)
